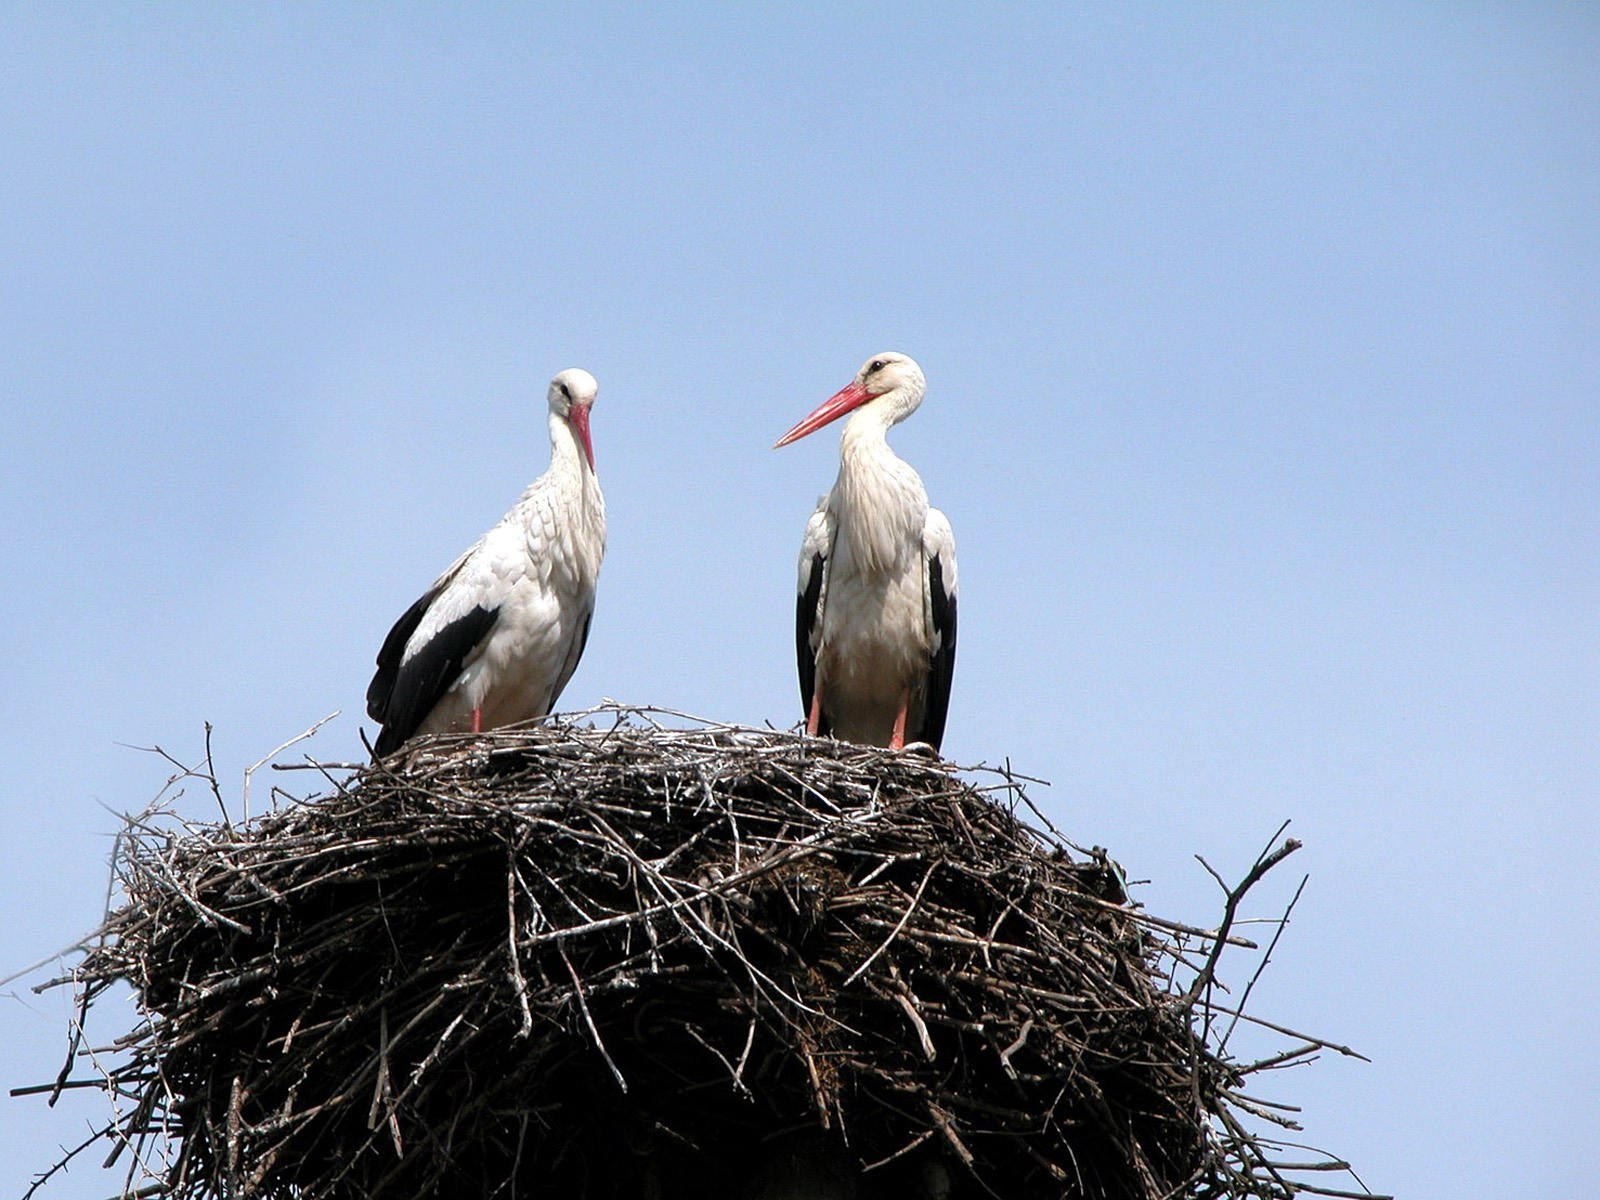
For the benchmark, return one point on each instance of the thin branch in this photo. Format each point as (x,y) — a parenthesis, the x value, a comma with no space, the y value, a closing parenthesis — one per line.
(1263,864)
(421,965)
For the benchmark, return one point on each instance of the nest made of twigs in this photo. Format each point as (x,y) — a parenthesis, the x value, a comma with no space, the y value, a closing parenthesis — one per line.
(658,962)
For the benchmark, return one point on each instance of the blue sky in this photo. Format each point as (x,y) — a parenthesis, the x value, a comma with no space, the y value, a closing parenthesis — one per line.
(1263,345)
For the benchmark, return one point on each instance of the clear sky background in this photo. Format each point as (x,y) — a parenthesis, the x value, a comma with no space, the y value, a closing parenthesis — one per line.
(1263,344)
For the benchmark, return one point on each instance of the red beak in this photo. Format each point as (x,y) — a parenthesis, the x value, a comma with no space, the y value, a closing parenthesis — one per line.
(831,409)
(578,414)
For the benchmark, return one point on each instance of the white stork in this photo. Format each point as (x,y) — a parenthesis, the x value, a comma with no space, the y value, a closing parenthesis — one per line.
(875,625)
(496,637)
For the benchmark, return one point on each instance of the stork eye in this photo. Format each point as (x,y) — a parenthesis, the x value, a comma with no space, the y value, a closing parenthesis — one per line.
(877,365)
(565,391)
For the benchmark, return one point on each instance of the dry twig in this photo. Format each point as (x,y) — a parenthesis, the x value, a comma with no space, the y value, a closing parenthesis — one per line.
(622,960)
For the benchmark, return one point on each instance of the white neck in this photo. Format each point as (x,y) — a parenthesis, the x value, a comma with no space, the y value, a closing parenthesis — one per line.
(869,425)
(568,494)
(880,502)
(568,462)
(570,482)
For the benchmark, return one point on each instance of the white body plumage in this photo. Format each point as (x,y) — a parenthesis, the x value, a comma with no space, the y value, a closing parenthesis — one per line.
(875,620)
(496,637)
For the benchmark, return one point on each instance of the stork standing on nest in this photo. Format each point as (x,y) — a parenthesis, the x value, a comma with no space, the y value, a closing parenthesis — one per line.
(496,637)
(875,625)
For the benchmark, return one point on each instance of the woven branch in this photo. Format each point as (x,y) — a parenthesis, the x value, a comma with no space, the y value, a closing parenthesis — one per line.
(657,962)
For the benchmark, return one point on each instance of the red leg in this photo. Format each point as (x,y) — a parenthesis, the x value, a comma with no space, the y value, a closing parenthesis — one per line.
(897,739)
(477,720)
(814,717)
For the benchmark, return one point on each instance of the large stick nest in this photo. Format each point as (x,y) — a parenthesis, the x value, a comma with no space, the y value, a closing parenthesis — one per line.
(650,962)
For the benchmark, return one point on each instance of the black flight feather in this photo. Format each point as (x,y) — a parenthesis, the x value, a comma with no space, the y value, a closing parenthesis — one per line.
(942,664)
(805,619)
(392,651)
(571,664)
(405,690)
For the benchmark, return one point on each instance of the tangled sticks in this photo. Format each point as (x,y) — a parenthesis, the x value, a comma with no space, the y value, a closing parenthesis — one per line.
(650,962)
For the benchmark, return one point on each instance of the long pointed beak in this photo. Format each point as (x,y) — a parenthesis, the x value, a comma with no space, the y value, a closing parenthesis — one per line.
(579,416)
(831,409)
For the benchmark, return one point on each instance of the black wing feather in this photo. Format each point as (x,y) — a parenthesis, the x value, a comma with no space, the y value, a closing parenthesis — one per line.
(805,620)
(393,650)
(942,665)
(403,693)
(571,664)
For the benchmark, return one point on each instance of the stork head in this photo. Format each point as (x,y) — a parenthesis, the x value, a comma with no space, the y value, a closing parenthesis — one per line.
(572,394)
(889,381)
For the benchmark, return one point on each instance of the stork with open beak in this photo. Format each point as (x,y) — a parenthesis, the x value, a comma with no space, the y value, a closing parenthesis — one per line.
(496,637)
(875,625)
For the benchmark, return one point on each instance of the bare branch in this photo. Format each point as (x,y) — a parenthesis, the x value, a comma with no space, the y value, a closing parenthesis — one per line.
(591,949)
